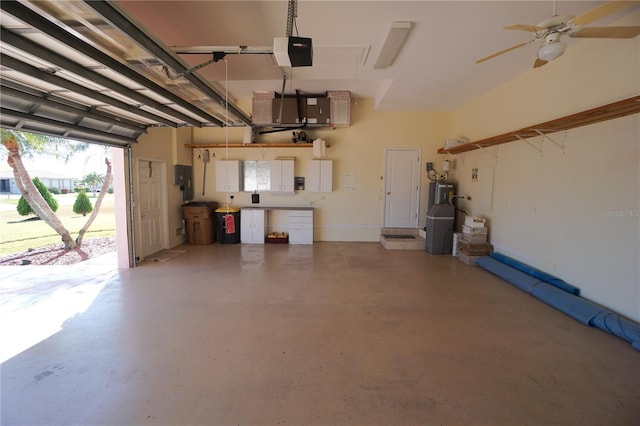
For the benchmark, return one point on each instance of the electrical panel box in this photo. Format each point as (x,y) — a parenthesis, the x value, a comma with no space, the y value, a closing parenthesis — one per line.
(183,177)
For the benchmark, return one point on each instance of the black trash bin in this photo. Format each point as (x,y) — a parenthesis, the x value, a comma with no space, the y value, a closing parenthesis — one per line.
(228,225)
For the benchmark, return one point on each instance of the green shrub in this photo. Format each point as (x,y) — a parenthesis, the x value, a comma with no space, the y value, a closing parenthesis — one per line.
(54,191)
(24,209)
(64,191)
(110,191)
(83,204)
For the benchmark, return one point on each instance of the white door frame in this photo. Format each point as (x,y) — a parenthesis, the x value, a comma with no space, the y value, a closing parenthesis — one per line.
(164,220)
(416,199)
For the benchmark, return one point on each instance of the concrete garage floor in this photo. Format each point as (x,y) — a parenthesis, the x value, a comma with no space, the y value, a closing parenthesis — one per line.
(329,334)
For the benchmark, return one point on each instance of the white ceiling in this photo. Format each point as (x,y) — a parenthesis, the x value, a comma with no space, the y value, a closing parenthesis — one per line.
(435,70)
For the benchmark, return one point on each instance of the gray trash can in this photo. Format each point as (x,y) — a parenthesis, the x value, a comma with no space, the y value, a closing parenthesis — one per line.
(440,219)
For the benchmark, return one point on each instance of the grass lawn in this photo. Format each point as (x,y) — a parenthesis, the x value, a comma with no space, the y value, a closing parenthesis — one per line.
(19,233)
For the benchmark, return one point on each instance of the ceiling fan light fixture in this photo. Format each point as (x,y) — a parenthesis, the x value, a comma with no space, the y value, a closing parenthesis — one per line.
(550,51)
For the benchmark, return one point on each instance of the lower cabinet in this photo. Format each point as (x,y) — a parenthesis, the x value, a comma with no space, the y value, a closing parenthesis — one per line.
(253,226)
(300,226)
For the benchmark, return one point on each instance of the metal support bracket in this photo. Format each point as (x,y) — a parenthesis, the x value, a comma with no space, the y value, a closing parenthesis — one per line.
(556,143)
(484,150)
(532,145)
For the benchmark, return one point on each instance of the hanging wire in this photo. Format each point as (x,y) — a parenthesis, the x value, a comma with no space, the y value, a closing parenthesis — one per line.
(357,79)
(226,126)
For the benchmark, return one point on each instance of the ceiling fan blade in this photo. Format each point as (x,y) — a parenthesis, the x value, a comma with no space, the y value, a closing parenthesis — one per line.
(601,11)
(527,28)
(517,46)
(538,63)
(607,32)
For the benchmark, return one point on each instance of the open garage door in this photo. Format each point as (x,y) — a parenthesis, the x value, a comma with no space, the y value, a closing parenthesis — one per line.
(85,71)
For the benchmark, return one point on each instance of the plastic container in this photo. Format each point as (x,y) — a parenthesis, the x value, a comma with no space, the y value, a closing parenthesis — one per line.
(228,225)
(440,229)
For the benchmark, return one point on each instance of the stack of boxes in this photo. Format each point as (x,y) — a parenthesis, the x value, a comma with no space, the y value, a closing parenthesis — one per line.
(473,243)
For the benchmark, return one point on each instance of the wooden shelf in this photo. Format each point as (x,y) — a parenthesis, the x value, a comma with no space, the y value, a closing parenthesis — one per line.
(251,145)
(591,116)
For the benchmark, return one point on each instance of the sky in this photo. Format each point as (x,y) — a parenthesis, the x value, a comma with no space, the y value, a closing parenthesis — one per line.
(78,166)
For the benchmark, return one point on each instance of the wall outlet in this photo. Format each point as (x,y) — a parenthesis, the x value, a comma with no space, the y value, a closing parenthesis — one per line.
(429,167)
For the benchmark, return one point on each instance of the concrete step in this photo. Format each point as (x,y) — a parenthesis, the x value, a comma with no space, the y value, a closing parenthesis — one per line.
(402,239)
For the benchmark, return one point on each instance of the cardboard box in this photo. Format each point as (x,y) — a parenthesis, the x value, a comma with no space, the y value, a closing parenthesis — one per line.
(473,231)
(476,249)
(199,210)
(474,239)
(468,260)
(474,222)
(453,142)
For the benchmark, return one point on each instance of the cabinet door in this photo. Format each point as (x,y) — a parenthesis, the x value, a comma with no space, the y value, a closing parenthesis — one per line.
(282,175)
(227,175)
(288,183)
(320,176)
(252,226)
(326,176)
(259,226)
(246,226)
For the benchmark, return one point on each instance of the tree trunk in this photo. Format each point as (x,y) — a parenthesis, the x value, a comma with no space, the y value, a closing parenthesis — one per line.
(31,193)
(96,208)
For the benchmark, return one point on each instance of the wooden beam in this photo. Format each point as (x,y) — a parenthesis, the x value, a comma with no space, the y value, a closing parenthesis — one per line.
(251,145)
(606,112)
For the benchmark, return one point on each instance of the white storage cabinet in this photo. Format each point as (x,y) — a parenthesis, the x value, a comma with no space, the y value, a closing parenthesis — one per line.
(320,176)
(228,175)
(281,175)
(300,226)
(253,226)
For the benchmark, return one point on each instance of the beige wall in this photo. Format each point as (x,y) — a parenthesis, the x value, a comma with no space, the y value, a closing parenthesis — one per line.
(572,212)
(360,149)
(166,146)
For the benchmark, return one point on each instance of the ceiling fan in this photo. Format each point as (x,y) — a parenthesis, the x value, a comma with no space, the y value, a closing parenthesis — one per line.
(551,30)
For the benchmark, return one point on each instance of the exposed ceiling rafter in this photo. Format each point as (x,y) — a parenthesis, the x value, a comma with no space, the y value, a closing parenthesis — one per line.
(118,19)
(67,130)
(33,96)
(36,21)
(66,72)
(24,68)
(39,51)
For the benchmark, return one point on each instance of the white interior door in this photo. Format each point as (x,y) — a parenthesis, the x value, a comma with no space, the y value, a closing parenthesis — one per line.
(402,188)
(150,206)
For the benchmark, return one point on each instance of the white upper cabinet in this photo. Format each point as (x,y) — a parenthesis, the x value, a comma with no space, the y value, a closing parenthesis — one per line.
(281,175)
(320,177)
(228,175)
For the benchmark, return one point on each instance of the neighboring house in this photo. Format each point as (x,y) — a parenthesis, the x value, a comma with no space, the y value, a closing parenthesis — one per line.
(49,179)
